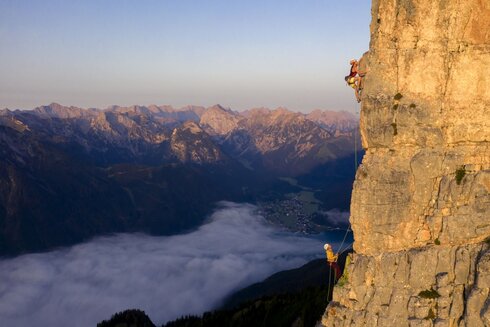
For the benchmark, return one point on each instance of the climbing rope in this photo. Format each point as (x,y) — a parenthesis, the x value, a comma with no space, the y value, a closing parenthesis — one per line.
(329,283)
(355,170)
(342,244)
(347,247)
(340,249)
(355,149)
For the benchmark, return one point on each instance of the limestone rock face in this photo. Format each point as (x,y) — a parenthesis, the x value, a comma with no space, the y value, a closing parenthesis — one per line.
(420,208)
(430,286)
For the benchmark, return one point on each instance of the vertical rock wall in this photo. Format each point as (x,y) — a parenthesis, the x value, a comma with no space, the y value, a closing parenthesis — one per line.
(420,208)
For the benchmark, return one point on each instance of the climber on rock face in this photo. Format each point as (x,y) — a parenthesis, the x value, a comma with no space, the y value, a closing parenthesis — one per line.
(332,260)
(331,257)
(353,82)
(352,79)
(355,79)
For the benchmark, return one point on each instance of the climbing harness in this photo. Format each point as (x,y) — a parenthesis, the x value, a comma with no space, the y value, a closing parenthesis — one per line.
(351,81)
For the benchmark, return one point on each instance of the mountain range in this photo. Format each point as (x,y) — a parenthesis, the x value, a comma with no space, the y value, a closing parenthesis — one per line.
(67,173)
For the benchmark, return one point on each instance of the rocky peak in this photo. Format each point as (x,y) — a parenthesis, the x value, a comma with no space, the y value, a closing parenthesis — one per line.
(218,120)
(56,110)
(8,119)
(190,143)
(283,115)
(5,112)
(192,127)
(420,206)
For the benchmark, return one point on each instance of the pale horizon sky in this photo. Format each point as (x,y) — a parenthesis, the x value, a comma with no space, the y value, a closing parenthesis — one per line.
(240,54)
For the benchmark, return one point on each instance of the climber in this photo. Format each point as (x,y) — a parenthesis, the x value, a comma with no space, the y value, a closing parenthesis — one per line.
(332,260)
(352,79)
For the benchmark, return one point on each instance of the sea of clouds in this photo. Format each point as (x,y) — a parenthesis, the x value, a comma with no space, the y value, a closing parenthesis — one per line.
(165,276)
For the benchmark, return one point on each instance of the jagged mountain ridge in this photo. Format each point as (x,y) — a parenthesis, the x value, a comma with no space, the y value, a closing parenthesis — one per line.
(278,140)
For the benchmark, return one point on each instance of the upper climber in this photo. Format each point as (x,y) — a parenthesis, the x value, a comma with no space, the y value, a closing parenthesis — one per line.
(355,79)
(352,79)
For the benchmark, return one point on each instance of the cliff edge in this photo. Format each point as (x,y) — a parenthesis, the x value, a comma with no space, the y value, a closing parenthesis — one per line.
(420,208)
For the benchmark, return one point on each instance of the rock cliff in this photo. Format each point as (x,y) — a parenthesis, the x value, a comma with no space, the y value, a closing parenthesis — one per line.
(420,208)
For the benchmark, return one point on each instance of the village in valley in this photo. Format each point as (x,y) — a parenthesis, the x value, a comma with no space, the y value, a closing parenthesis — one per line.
(300,212)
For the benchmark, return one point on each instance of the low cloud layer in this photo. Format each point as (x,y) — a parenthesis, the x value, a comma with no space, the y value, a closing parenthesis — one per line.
(165,276)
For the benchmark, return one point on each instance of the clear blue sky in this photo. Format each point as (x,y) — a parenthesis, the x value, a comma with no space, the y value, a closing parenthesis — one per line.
(239,53)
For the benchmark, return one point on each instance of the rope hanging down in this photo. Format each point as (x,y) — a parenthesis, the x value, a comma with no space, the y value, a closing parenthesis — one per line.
(339,251)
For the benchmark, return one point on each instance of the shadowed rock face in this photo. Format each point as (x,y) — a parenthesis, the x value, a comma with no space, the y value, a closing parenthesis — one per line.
(420,208)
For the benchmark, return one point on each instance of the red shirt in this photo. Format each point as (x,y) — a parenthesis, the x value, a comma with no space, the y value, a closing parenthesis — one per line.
(352,72)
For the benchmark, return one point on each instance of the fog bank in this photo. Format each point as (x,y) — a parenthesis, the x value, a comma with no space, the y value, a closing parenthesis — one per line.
(165,276)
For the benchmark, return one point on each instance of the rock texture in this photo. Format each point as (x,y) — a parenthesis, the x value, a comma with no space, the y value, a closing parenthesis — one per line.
(428,286)
(420,208)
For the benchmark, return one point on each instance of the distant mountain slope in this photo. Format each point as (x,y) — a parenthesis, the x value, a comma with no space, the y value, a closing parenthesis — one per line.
(48,199)
(67,174)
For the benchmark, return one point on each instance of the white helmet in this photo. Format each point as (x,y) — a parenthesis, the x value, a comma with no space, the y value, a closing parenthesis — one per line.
(326,246)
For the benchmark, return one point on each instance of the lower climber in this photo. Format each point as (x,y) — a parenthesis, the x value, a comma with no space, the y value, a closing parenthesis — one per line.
(332,261)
